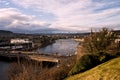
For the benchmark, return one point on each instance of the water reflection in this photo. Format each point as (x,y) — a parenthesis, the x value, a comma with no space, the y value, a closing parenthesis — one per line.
(61,46)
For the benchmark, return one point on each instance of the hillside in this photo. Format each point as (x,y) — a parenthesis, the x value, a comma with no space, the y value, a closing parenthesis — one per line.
(4,32)
(107,71)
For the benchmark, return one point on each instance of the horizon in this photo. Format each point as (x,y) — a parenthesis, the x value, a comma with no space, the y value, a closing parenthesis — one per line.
(59,16)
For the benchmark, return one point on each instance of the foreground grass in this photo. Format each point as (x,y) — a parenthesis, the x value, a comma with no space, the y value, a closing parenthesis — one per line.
(107,71)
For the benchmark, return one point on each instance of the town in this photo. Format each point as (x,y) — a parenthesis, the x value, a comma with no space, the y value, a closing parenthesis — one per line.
(60,40)
(25,48)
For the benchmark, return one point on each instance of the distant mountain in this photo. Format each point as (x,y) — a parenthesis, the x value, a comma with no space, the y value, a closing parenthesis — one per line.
(5,32)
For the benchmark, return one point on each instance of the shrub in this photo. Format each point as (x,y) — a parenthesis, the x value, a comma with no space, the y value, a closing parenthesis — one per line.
(89,61)
(84,63)
(103,57)
(23,72)
(117,54)
(55,73)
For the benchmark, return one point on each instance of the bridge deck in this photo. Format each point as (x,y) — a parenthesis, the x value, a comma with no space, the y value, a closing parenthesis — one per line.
(43,58)
(31,55)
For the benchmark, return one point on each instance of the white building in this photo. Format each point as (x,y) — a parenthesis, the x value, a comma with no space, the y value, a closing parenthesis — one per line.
(12,41)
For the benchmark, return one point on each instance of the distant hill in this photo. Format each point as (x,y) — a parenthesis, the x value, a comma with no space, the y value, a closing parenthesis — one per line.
(4,32)
(107,71)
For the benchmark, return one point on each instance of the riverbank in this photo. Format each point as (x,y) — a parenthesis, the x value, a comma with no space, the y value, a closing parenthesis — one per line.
(47,43)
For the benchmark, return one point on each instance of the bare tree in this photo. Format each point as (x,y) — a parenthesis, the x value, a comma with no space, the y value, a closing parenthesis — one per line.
(102,41)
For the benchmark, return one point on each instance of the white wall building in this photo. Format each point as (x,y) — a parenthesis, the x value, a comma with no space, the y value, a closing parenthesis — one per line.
(12,41)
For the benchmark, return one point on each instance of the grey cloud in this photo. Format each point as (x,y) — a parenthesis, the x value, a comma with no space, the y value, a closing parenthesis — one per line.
(15,20)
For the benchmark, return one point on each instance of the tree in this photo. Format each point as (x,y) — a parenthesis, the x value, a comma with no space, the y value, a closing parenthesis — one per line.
(102,41)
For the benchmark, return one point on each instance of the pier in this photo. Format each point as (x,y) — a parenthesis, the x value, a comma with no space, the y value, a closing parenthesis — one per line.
(34,56)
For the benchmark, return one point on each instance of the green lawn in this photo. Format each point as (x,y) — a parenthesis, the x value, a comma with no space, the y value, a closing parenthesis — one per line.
(107,71)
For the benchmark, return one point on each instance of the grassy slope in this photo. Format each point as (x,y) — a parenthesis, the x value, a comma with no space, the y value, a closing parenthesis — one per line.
(107,71)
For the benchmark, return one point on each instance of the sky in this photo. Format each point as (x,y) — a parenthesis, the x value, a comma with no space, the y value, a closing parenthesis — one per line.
(54,16)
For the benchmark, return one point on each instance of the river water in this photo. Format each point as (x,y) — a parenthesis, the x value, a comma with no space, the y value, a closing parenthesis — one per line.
(4,66)
(62,47)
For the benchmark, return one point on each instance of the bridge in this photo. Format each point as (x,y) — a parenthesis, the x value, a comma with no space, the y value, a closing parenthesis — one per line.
(30,56)
(43,58)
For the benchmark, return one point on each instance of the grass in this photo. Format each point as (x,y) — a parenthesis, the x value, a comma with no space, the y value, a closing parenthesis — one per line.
(109,70)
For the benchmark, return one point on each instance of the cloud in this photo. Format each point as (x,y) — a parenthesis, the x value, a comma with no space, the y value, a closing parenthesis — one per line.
(11,18)
(70,15)
(4,2)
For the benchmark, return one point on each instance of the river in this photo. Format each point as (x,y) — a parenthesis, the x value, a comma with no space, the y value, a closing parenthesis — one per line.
(62,47)
(4,66)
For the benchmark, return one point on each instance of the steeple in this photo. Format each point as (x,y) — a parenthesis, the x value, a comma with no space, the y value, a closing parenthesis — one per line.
(91,32)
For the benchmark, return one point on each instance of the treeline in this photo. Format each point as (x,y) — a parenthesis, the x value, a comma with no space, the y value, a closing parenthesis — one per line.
(42,41)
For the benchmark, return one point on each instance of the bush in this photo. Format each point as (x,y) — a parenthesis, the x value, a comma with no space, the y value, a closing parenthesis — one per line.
(117,54)
(84,63)
(55,73)
(23,71)
(89,61)
(103,57)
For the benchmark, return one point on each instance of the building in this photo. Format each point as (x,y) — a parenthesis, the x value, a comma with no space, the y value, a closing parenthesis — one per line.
(16,44)
(19,41)
(118,42)
(23,44)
